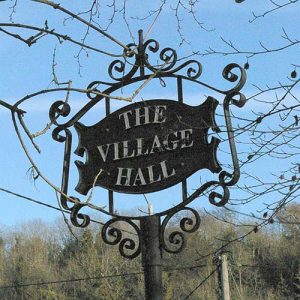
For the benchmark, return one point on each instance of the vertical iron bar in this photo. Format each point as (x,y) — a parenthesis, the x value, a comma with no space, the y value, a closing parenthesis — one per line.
(151,257)
(107,105)
(66,170)
(141,53)
(111,201)
(179,89)
(180,100)
(184,190)
(110,193)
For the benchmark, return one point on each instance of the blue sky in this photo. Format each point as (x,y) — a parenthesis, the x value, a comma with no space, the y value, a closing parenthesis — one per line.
(25,70)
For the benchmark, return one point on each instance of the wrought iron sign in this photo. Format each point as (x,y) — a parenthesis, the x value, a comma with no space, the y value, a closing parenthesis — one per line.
(148,146)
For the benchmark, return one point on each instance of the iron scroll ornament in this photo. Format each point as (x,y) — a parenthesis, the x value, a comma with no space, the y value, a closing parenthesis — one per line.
(141,70)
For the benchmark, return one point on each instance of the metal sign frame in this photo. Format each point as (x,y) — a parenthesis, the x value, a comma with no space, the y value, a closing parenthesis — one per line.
(167,69)
(137,73)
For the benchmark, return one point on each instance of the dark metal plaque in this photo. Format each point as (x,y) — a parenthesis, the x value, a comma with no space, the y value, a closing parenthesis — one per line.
(147,146)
